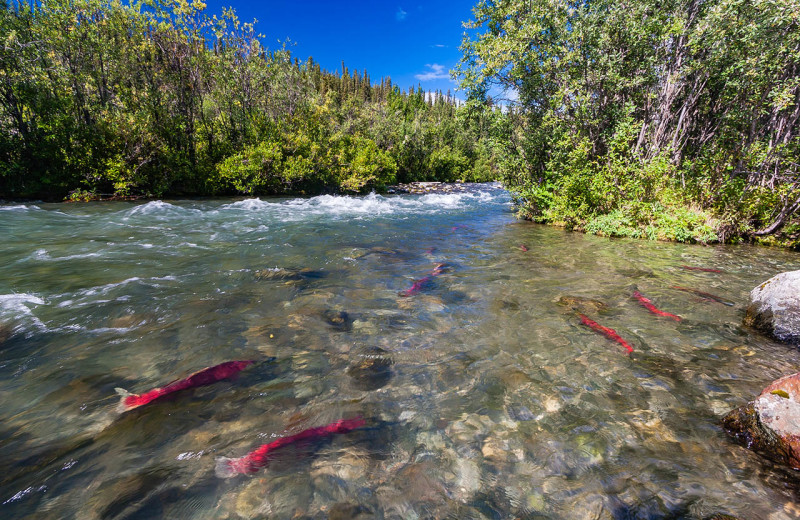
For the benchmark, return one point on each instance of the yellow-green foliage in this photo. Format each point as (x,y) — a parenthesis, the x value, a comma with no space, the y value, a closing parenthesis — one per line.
(363,166)
(157,97)
(256,169)
(668,119)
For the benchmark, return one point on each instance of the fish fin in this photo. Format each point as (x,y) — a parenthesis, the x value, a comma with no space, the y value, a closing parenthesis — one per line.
(224,467)
(124,394)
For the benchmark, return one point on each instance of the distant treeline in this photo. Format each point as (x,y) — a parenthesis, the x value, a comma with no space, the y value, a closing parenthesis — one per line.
(673,119)
(158,98)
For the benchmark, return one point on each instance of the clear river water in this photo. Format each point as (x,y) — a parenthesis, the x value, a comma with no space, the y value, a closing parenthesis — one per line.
(482,393)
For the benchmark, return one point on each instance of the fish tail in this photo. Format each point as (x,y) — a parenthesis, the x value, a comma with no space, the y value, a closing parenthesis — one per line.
(625,344)
(124,395)
(225,467)
(669,315)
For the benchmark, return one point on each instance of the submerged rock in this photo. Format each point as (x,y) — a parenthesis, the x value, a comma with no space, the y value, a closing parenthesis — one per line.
(771,423)
(373,370)
(339,320)
(384,253)
(5,332)
(290,274)
(775,307)
(348,511)
(423,188)
(520,413)
(582,304)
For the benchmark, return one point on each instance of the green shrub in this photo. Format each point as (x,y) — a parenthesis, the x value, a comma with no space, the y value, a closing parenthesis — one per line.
(256,169)
(364,166)
(81,195)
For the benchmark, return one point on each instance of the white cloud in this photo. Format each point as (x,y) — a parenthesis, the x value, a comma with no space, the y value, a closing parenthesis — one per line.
(440,46)
(400,15)
(435,71)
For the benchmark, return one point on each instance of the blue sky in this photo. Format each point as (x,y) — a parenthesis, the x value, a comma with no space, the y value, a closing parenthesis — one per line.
(413,43)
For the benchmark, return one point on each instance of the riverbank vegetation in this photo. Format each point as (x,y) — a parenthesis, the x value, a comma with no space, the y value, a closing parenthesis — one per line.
(675,119)
(160,98)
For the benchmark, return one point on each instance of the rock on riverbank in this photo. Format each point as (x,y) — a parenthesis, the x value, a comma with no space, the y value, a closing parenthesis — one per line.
(771,423)
(422,188)
(775,307)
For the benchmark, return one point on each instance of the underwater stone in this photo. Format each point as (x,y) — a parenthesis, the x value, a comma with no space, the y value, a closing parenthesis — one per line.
(468,476)
(579,303)
(5,332)
(251,501)
(775,307)
(292,273)
(338,320)
(373,370)
(348,511)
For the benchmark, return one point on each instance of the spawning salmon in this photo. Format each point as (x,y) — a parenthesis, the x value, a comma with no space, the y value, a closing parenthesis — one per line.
(202,377)
(707,296)
(652,308)
(424,282)
(605,331)
(259,457)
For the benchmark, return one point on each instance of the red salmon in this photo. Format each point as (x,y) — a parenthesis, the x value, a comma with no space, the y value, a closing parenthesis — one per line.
(416,287)
(424,282)
(707,296)
(652,308)
(524,248)
(605,331)
(203,377)
(259,457)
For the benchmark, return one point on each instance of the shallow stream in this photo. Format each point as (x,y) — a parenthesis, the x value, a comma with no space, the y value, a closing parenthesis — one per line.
(483,394)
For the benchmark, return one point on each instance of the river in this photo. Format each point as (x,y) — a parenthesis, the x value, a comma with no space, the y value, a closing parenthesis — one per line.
(483,395)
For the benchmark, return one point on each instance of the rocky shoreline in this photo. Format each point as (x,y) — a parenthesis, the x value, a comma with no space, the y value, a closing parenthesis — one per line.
(425,188)
(770,424)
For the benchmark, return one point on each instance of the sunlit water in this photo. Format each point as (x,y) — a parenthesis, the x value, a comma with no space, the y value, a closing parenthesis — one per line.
(483,394)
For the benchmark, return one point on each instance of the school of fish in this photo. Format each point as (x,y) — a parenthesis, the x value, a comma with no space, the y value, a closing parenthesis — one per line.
(260,456)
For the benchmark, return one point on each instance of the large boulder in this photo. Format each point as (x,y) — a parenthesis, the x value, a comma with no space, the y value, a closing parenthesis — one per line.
(771,423)
(775,307)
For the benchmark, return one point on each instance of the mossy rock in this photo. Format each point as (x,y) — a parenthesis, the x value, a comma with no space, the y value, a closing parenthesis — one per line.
(753,425)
